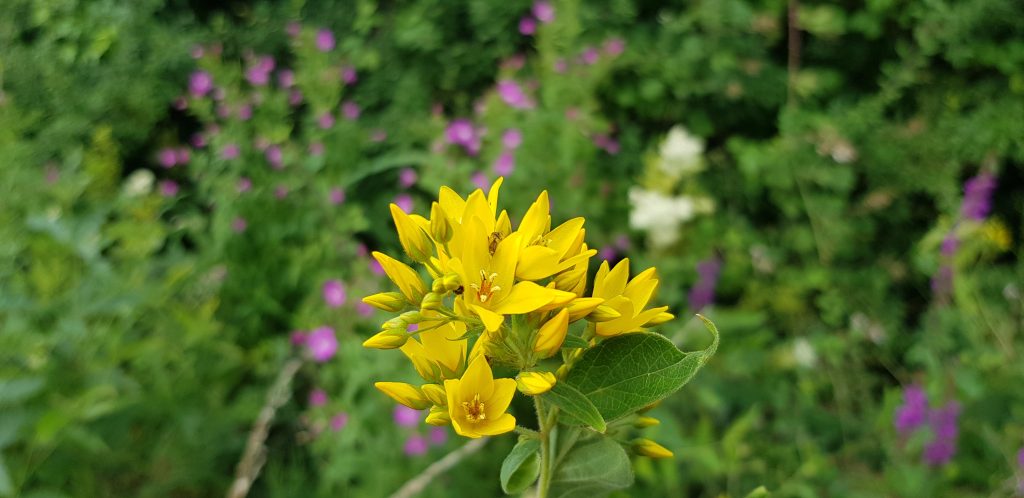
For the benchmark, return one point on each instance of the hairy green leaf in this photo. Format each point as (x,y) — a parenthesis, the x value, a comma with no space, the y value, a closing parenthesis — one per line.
(576,405)
(593,468)
(521,466)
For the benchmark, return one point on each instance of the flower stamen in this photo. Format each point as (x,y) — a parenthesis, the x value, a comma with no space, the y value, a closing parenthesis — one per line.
(486,288)
(474,409)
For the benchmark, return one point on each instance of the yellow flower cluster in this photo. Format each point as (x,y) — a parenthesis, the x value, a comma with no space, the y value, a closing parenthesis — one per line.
(513,293)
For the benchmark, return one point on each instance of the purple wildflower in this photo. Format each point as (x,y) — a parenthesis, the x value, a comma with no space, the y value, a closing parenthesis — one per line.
(512,138)
(480,180)
(590,56)
(168,188)
(293,28)
(281,191)
(257,76)
(703,292)
(376,268)
(316,149)
(334,293)
(438,435)
(325,121)
(230,151)
(504,164)
(324,40)
(527,26)
(244,185)
(339,421)
(543,11)
(607,253)
(365,310)
(944,426)
(200,83)
(275,156)
(298,338)
(977,201)
(614,47)
(286,78)
(238,225)
(322,344)
(245,112)
(561,66)
(317,397)
(461,132)
(416,445)
(912,413)
(405,416)
(167,157)
(350,110)
(294,98)
(198,140)
(512,94)
(349,75)
(336,196)
(404,202)
(407,177)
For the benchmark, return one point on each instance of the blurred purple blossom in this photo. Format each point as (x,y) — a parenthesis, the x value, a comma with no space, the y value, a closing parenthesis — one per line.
(293,28)
(912,413)
(167,157)
(512,138)
(298,337)
(438,435)
(200,83)
(416,445)
(275,157)
(286,78)
(322,344)
(334,293)
(325,121)
(339,421)
(316,149)
(317,397)
(349,75)
(944,427)
(480,180)
(281,191)
(543,11)
(168,188)
(376,268)
(378,136)
(504,164)
(404,202)
(364,309)
(182,155)
(324,40)
(614,46)
(590,56)
(238,225)
(197,52)
(294,97)
(462,132)
(405,416)
(245,112)
(977,201)
(198,140)
(350,110)
(336,196)
(407,177)
(512,94)
(230,151)
(244,185)
(527,26)
(561,66)
(703,292)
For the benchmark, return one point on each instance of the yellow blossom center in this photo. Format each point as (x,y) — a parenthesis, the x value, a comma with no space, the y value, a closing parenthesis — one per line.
(486,288)
(541,240)
(474,409)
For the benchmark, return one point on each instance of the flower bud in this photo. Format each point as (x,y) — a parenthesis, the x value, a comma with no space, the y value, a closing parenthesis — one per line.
(649,448)
(387,339)
(582,306)
(644,422)
(432,301)
(405,394)
(412,317)
(438,416)
(552,334)
(395,323)
(567,280)
(414,240)
(534,383)
(388,301)
(659,319)
(435,393)
(440,227)
(603,313)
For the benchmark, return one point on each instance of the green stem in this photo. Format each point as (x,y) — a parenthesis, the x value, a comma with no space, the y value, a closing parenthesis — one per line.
(544,483)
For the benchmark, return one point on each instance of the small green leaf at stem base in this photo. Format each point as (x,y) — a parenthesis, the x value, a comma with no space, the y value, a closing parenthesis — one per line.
(521,467)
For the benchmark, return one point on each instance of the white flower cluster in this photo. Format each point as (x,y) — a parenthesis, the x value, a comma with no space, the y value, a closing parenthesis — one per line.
(660,214)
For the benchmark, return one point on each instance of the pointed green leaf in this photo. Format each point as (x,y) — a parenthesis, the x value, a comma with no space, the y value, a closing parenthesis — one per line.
(573,403)
(574,342)
(6,487)
(591,469)
(628,372)
(521,467)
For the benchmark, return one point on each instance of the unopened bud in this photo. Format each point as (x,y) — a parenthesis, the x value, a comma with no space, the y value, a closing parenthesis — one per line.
(387,339)
(534,383)
(603,313)
(440,227)
(438,416)
(503,225)
(412,317)
(435,393)
(414,240)
(552,334)
(649,448)
(643,422)
(659,319)
(432,301)
(388,301)
(567,280)
(582,306)
(406,394)
(396,323)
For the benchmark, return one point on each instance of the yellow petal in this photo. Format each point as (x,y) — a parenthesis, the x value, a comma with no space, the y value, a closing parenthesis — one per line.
(561,238)
(505,423)
(405,394)
(534,383)
(414,240)
(535,221)
(537,262)
(641,293)
(582,306)
(497,403)
(552,334)
(612,283)
(452,203)
(407,280)
(478,379)
(492,195)
(526,297)
(492,321)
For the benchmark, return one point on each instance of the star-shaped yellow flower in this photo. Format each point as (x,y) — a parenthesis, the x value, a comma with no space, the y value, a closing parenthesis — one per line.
(629,299)
(477,402)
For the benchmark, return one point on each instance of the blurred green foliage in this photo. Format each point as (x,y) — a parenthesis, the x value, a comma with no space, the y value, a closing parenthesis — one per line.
(140,328)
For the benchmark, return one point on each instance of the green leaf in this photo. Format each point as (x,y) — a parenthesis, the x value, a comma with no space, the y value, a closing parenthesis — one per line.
(521,466)
(628,372)
(6,487)
(593,468)
(574,342)
(576,405)
(13,391)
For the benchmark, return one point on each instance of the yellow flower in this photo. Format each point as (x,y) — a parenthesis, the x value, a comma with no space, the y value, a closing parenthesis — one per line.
(386,301)
(649,448)
(477,402)
(407,280)
(406,394)
(414,240)
(546,252)
(490,289)
(439,353)
(438,416)
(534,383)
(628,299)
(387,339)
(552,334)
